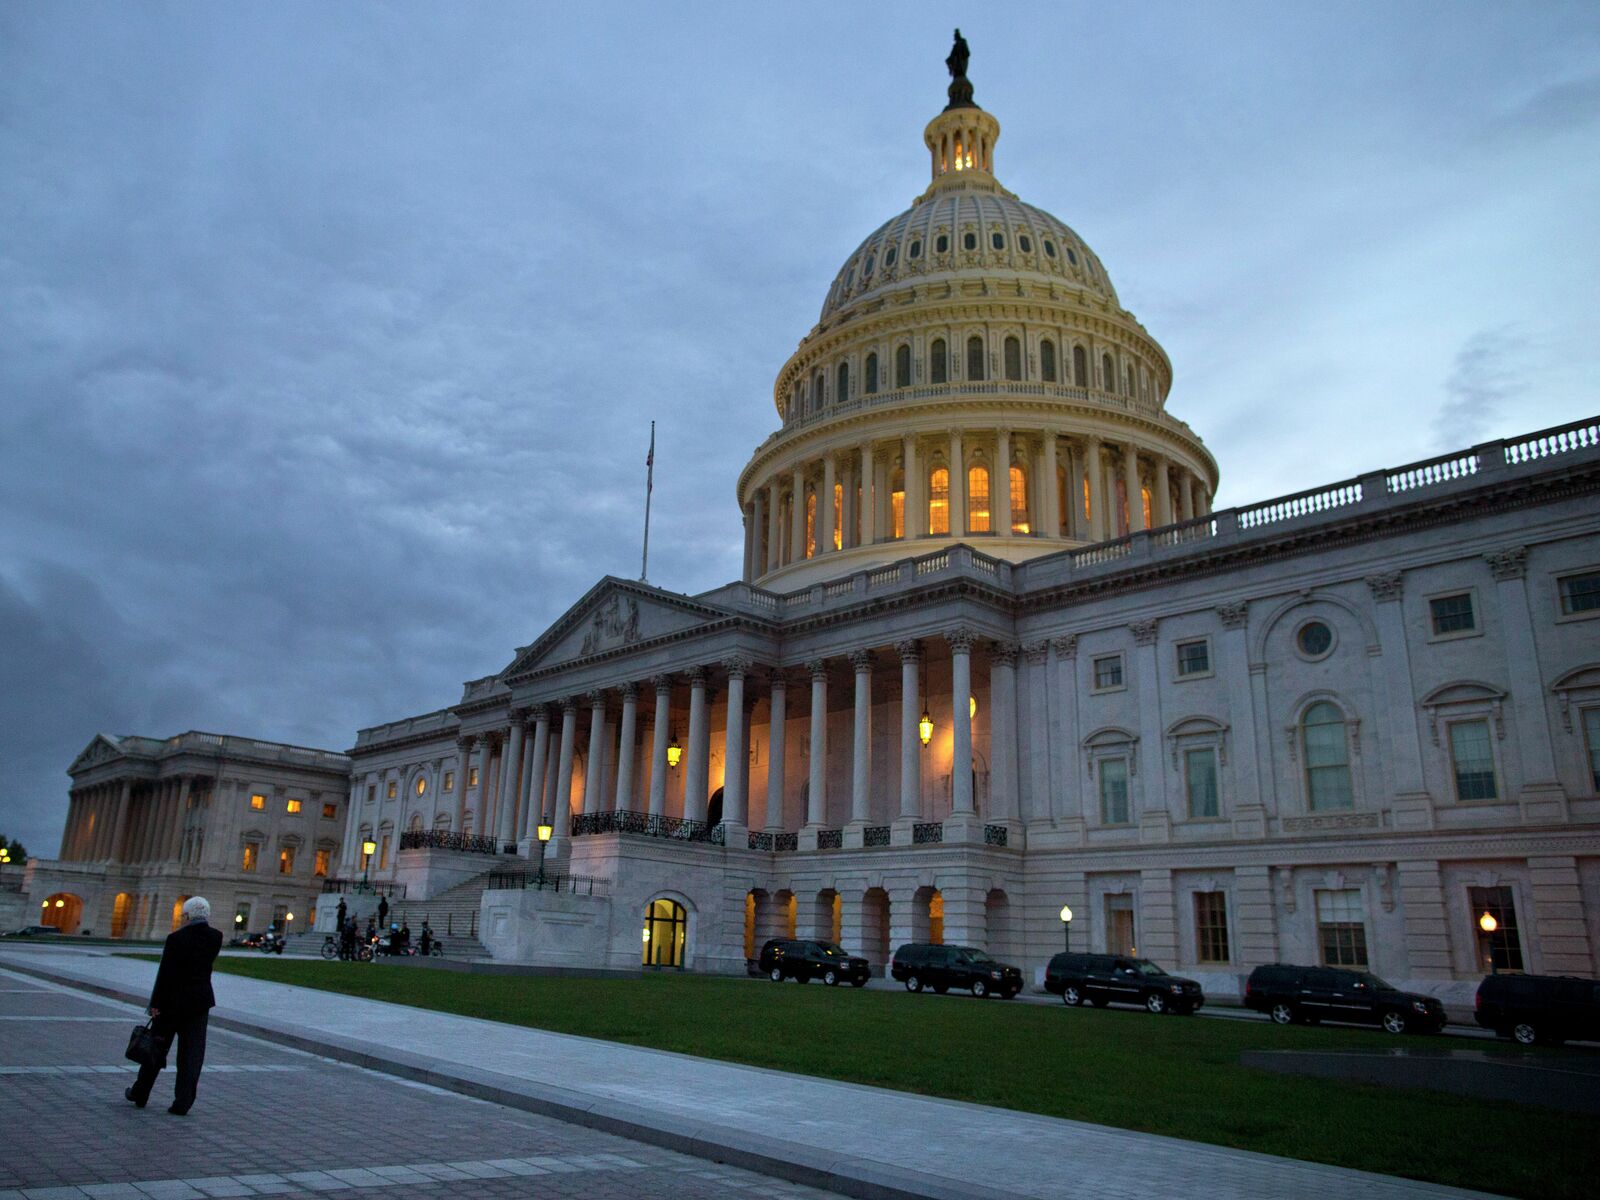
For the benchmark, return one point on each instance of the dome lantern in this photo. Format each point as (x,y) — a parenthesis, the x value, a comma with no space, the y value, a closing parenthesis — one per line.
(961,139)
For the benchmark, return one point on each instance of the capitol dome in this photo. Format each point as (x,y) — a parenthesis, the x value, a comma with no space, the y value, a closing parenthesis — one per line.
(972,378)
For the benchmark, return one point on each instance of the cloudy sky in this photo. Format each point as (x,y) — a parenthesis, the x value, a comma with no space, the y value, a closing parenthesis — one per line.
(330,335)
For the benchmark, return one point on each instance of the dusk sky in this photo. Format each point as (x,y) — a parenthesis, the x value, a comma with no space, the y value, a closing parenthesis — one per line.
(330,335)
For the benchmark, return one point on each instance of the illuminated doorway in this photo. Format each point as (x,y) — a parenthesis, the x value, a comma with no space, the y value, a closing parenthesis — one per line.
(1120,935)
(120,910)
(63,911)
(665,928)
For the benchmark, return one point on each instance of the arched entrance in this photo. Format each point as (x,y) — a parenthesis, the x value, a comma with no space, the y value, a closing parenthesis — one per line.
(666,927)
(714,809)
(62,910)
(121,909)
(927,916)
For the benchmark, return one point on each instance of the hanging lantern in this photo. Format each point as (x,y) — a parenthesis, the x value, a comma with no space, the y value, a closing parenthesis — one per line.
(925,727)
(674,753)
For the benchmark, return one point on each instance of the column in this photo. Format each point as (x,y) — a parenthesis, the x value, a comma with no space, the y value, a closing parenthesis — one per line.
(916,520)
(1004,785)
(119,823)
(1037,701)
(1130,481)
(1391,670)
(464,747)
(1158,915)
(797,517)
(538,762)
(774,534)
(961,803)
(511,779)
(1186,497)
(695,779)
(69,831)
(659,734)
(347,848)
(867,510)
(561,802)
(861,747)
(958,487)
(1051,524)
(910,743)
(1099,527)
(488,775)
(825,508)
(1000,485)
(1155,820)
(593,776)
(627,735)
(734,755)
(749,537)
(1249,814)
(1163,496)
(777,717)
(817,798)
(1542,798)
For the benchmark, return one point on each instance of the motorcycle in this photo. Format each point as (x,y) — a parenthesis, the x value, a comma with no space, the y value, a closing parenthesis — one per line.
(331,949)
(272,943)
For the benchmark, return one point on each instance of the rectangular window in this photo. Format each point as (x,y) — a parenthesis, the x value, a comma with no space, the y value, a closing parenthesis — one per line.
(1194,658)
(1452,614)
(252,854)
(383,852)
(1211,927)
(1500,950)
(258,802)
(449,781)
(1341,928)
(1200,778)
(330,811)
(1472,756)
(472,776)
(1108,672)
(286,860)
(1580,593)
(394,789)
(939,501)
(320,865)
(897,513)
(292,806)
(1114,791)
(1591,735)
(372,792)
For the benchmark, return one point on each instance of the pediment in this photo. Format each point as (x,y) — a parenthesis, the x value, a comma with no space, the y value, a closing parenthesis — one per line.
(1582,679)
(100,749)
(615,615)
(1465,691)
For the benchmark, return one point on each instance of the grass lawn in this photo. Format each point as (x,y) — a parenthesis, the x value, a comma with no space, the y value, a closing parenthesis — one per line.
(1171,1075)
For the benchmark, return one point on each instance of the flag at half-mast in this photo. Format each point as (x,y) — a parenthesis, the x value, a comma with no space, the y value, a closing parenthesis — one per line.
(650,460)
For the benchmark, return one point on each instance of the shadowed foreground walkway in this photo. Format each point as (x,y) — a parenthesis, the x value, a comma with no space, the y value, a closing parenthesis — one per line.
(842,1136)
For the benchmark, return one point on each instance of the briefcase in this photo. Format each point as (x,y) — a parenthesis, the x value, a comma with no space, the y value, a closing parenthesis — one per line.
(146,1047)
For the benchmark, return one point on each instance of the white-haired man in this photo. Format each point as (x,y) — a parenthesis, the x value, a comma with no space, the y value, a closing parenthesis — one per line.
(181,1003)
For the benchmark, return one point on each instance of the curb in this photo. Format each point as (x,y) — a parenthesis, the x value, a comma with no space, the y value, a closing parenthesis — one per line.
(792,1162)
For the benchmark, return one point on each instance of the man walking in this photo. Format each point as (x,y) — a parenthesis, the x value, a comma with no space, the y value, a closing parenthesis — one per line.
(181,1003)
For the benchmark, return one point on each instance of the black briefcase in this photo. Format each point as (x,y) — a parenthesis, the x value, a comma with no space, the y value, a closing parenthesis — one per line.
(146,1047)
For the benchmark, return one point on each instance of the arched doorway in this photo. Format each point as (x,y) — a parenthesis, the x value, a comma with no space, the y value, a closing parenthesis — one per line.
(714,809)
(927,916)
(666,926)
(63,911)
(121,908)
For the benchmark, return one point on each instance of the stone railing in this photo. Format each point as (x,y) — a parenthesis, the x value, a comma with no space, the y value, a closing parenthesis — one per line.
(773,841)
(226,746)
(361,887)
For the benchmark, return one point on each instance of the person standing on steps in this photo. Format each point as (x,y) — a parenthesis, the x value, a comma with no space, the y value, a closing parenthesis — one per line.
(342,912)
(181,1004)
(383,912)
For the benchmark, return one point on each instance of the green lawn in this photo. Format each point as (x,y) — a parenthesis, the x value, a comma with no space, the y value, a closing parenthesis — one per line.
(1170,1075)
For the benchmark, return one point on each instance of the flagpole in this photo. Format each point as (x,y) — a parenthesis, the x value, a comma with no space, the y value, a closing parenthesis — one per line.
(649,486)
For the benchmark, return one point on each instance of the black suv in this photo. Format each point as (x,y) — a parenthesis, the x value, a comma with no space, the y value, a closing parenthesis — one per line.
(923,965)
(1103,979)
(1311,994)
(1539,1008)
(790,958)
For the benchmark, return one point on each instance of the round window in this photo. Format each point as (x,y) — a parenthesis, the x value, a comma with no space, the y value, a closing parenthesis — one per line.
(1314,639)
(422,784)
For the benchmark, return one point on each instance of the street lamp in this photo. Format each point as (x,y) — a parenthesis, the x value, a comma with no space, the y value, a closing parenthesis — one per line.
(1066,926)
(368,849)
(925,727)
(1488,924)
(544,837)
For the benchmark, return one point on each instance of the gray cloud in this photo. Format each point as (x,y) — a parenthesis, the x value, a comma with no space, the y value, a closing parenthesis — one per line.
(1489,370)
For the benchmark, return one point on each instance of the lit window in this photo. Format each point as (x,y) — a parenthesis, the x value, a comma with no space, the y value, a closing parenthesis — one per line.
(1314,639)
(1580,593)
(938,362)
(258,802)
(1472,757)
(286,860)
(449,781)
(1452,614)
(1502,949)
(1107,672)
(392,790)
(1211,927)
(1341,927)
(1591,735)
(811,524)
(383,852)
(974,357)
(320,865)
(330,811)
(1113,791)
(838,516)
(939,501)
(1144,506)
(1327,758)
(978,499)
(897,504)
(292,806)
(422,785)
(252,855)
(1088,507)
(472,776)
(1013,357)
(1047,360)
(1200,780)
(1019,501)
(1194,658)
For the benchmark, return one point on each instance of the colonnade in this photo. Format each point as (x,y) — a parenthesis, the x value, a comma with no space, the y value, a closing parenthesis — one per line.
(114,822)
(1081,489)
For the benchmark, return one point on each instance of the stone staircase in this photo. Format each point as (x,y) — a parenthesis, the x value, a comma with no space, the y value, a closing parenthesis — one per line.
(453,915)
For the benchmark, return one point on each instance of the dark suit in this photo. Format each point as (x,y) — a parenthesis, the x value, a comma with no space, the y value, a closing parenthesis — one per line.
(183,999)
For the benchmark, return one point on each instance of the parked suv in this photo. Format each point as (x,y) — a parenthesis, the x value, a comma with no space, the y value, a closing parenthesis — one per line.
(803,961)
(1540,1008)
(1104,979)
(921,965)
(1311,994)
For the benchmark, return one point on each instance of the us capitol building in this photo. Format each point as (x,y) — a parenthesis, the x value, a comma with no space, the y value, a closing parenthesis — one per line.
(993,653)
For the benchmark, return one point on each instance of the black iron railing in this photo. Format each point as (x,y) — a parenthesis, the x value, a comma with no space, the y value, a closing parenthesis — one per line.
(442,839)
(358,887)
(875,835)
(548,881)
(830,839)
(995,835)
(926,832)
(678,828)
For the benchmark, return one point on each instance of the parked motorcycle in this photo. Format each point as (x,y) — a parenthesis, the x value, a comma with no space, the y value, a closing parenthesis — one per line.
(273,943)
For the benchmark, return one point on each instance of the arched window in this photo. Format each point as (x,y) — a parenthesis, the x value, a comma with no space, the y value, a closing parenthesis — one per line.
(838,516)
(665,928)
(1019,501)
(1088,506)
(818,383)
(974,357)
(1327,758)
(1108,373)
(1080,367)
(1013,353)
(1047,360)
(842,392)
(978,499)
(872,374)
(897,503)
(938,367)
(1144,500)
(939,501)
(902,366)
(811,523)
(415,824)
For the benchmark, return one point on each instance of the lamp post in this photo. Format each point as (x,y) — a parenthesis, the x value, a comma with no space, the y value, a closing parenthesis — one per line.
(368,849)
(544,837)
(5,855)
(1066,927)
(1488,924)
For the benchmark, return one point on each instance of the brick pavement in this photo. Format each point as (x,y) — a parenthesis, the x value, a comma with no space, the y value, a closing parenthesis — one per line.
(274,1121)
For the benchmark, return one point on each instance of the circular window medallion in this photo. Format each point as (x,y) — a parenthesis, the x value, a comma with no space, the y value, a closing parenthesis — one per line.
(1314,639)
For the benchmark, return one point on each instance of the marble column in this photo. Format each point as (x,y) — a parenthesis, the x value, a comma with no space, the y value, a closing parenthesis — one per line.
(1542,798)
(776,721)
(1130,481)
(961,800)
(1099,527)
(958,486)
(533,785)
(594,763)
(817,791)
(1000,485)
(699,772)
(1050,525)
(1163,496)
(119,823)
(912,506)
(861,745)
(511,779)
(659,734)
(797,516)
(825,511)
(1004,781)
(1186,497)
(774,531)
(627,735)
(735,756)
(561,803)
(866,510)
(910,742)
(464,747)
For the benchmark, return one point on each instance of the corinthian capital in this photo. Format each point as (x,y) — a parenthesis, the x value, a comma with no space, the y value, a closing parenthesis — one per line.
(1510,563)
(1386,585)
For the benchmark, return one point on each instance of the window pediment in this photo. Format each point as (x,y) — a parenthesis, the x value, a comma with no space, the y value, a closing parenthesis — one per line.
(1463,696)
(1580,684)
(1197,731)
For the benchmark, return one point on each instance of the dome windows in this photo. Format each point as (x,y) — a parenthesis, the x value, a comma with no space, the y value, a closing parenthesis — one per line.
(997,240)
(969,240)
(1013,358)
(902,365)
(866,270)
(891,255)
(1080,367)
(938,362)
(1072,256)
(1049,248)
(843,391)
(939,501)
(1024,243)
(1047,360)
(974,357)
(916,248)
(941,244)
(871,375)
(978,499)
